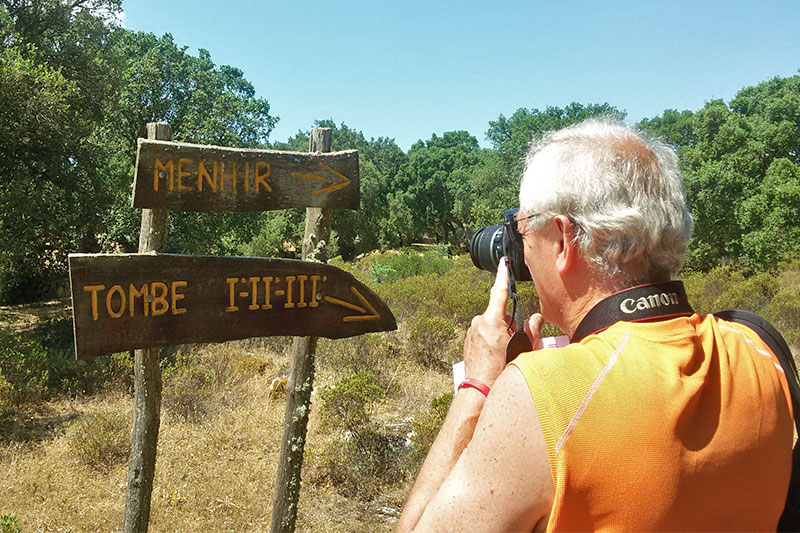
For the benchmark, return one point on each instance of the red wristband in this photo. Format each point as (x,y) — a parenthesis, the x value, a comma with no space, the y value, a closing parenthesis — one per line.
(475,384)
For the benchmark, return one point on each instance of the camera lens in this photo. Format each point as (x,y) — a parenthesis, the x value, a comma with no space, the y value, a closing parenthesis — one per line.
(486,247)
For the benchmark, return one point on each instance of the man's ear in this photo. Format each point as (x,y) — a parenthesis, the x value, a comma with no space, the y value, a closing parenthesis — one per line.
(566,250)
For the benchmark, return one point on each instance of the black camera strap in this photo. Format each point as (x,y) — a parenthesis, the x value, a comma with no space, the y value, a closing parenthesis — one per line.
(519,341)
(646,302)
(790,518)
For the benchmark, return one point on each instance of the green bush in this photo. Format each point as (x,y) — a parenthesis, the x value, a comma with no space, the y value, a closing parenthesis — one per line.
(458,295)
(753,294)
(426,426)
(407,263)
(41,363)
(432,341)
(9,523)
(24,372)
(351,400)
(66,374)
(276,238)
(100,439)
(363,457)
(704,289)
(784,313)
(188,388)
(372,350)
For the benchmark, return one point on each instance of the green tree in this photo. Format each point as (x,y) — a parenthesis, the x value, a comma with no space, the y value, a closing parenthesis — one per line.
(54,88)
(512,136)
(771,217)
(426,187)
(75,93)
(739,164)
(204,104)
(380,159)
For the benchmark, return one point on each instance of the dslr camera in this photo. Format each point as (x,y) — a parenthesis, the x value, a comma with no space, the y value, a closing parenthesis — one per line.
(489,244)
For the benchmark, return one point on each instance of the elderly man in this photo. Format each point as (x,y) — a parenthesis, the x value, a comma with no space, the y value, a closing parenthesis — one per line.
(655,418)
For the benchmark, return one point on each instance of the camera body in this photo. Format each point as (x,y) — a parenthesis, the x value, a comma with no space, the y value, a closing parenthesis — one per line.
(489,244)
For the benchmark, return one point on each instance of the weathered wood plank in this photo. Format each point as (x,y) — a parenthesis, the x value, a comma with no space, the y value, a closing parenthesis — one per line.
(301,377)
(147,384)
(127,301)
(193,177)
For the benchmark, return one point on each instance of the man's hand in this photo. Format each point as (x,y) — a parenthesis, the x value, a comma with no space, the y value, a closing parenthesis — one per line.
(485,344)
(465,485)
(533,328)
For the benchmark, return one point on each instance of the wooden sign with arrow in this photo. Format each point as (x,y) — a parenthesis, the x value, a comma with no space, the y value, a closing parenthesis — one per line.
(194,177)
(126,301)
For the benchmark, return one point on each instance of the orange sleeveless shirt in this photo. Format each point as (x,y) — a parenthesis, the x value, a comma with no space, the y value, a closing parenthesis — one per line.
(679,424)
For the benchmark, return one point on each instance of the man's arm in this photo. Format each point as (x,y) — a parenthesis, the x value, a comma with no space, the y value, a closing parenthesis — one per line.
(488,466)
(502,479)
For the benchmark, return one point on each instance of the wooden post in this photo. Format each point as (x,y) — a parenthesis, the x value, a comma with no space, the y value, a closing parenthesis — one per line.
(147,382)
(298,389)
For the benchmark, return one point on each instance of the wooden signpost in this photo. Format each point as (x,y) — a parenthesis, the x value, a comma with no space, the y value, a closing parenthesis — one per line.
(193,177)
(127,301)
(145,300)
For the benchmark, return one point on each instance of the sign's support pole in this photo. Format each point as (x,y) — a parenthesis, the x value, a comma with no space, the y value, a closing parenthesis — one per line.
(147,383)
(301,378)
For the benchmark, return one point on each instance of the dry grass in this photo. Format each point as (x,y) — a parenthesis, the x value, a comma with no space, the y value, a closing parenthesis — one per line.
(216,473)
(221,430)
(19,318)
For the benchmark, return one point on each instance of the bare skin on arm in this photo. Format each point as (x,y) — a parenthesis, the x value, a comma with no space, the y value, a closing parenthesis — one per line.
(472,475)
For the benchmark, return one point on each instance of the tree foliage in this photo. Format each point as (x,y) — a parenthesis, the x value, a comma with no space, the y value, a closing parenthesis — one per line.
(76,90)
(75,93)
(740,164)
(54,70)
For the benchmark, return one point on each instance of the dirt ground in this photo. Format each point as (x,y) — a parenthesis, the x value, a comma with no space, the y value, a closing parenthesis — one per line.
(21,318)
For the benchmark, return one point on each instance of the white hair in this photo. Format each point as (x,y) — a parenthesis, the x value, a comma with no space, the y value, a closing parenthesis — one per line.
(622,191)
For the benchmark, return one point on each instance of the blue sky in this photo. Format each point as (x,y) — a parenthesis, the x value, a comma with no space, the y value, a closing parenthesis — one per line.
(409,69)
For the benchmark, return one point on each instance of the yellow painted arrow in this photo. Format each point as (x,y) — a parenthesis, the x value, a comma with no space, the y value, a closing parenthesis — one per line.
(317,177)
(364,316)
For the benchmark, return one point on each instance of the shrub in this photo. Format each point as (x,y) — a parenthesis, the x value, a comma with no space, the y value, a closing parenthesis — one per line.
(704,289)
(9,523)
(362,458)
(40,363)
(426,427)
(100,439)
(784,313)
(188,387)
(753,294)
(372,350)
(457,296)
(23,371)
(409,263)
(432,341)
(350,401)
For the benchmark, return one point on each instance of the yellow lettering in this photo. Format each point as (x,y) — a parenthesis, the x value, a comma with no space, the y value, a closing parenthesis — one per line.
(246,176)
(134,293)
(314,302)
(118,313)
(93,289)
(159,305)
(261,179)
(289,283)
(254,288)
(202,174)
(181,173)
(158,168)
(231,293)
(222,176)
(267,282)
(301,280)
(175,285)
